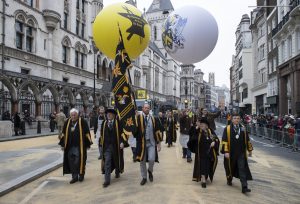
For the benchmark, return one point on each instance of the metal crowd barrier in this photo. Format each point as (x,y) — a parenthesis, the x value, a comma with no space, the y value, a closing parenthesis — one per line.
(275,135)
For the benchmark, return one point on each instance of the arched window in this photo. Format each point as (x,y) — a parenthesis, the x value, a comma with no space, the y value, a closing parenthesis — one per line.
(98,66)
(80,55)
(25,32)
(155,33)
(66,46)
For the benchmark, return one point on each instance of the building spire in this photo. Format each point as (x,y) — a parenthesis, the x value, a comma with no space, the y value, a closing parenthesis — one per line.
(161,5)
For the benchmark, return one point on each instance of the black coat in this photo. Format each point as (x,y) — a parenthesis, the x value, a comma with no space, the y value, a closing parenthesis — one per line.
(82,134)
(230,164)
(116,137)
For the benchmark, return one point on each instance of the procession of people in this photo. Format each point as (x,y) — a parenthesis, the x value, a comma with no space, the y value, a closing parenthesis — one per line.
(197,137)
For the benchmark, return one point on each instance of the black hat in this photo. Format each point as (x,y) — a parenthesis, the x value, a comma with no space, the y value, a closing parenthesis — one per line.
(111,110)
(203,120)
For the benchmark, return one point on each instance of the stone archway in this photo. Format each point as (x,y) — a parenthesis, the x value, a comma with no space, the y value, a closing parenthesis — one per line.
(8,96)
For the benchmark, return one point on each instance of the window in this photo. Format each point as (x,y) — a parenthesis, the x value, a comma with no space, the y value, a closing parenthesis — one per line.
(82,8)
(77,4)
(76,58)
(157,80)
(274,64)
(45,44)
(298,39)
(66,45)
(29,39)
(290,47)
(19,35)
(77,27)
(155,33)
(29,2)
(245,93)
(64,54)
(240,62)
(82,60)
(65,79)
(82,30)
(82,83)
(261,52)
(25,71)
(241,74)
(65,20)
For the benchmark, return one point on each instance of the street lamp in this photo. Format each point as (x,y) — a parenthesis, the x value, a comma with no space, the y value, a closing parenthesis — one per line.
(186,103)
(95,50)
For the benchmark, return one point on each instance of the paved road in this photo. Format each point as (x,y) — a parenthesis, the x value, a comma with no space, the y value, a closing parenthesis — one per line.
(275,170)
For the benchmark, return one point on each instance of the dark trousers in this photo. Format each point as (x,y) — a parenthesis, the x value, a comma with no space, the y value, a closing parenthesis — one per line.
(241,170)
(109,158)
(73,158)
(133,149)
(186,153)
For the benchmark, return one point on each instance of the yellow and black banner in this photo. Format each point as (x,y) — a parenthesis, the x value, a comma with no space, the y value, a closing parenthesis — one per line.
(121,88)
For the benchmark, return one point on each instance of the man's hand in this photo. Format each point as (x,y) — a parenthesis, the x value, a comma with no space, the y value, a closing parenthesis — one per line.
(121,146)
(158,147)
(212,144)
(227,155)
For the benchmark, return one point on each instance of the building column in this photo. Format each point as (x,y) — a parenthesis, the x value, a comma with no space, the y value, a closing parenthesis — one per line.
(38,109)
(296,92)
(14,107)
(283,103)
(56,107)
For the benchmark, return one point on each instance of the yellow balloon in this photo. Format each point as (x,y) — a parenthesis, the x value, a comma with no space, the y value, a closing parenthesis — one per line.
(134,28)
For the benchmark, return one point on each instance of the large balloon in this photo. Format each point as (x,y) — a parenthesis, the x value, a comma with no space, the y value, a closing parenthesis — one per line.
(134,28)
(190,34)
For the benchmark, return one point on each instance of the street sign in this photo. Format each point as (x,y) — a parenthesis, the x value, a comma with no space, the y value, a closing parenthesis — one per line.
(141,94)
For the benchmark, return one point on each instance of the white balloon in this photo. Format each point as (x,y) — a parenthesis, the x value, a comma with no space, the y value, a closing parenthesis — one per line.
(190,34)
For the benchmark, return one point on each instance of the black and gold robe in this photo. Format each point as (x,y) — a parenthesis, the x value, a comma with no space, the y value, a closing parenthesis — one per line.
(206,157)
(141,139)
(118,138)
(81,133)
(230,165)
(171,130)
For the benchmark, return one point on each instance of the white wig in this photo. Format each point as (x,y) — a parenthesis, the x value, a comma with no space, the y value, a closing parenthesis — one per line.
(74,110)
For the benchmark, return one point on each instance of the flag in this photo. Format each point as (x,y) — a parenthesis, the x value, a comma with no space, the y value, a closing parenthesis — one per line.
(121,88)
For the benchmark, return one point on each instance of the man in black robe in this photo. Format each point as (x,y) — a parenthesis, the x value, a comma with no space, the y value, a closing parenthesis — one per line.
(205,144)
(75,141)
(235,144)
(171,135)
(162,123)
(112,142)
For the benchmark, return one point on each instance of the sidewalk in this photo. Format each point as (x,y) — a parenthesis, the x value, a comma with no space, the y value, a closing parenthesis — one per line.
(27,160)
(30,133)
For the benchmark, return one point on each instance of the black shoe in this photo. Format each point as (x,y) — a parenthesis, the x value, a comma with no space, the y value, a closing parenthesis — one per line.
(203,185)
(81,177)
(74,180)
(229,182)
(246,190)
(117,175)
(99,158)
(143,181)
(150,176)
(189,160)
(105,184)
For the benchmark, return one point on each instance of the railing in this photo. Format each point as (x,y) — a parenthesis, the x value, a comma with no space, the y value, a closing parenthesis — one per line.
(283,137)
(281,24)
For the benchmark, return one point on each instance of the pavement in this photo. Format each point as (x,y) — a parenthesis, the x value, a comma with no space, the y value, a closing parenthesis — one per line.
(275,170)
(30,133)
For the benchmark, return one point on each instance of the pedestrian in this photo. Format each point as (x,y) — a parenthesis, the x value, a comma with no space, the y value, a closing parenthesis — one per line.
(186,122)
(210,117)
(17,123)
(171,129)
(60,119)
(297,135)
(52,121)
(97,128)
(235,144)
(112,144)
(75,141)
(148,139)
(162,123)
(205,144)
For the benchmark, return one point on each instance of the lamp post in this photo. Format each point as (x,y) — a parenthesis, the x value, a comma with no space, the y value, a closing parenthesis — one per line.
(191,93)
(95,50)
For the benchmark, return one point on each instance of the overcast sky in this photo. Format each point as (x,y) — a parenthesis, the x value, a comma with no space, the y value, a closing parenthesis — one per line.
(228,14)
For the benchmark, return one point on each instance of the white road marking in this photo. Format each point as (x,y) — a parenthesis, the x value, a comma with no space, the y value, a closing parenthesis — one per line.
(35,191)
(264,144)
